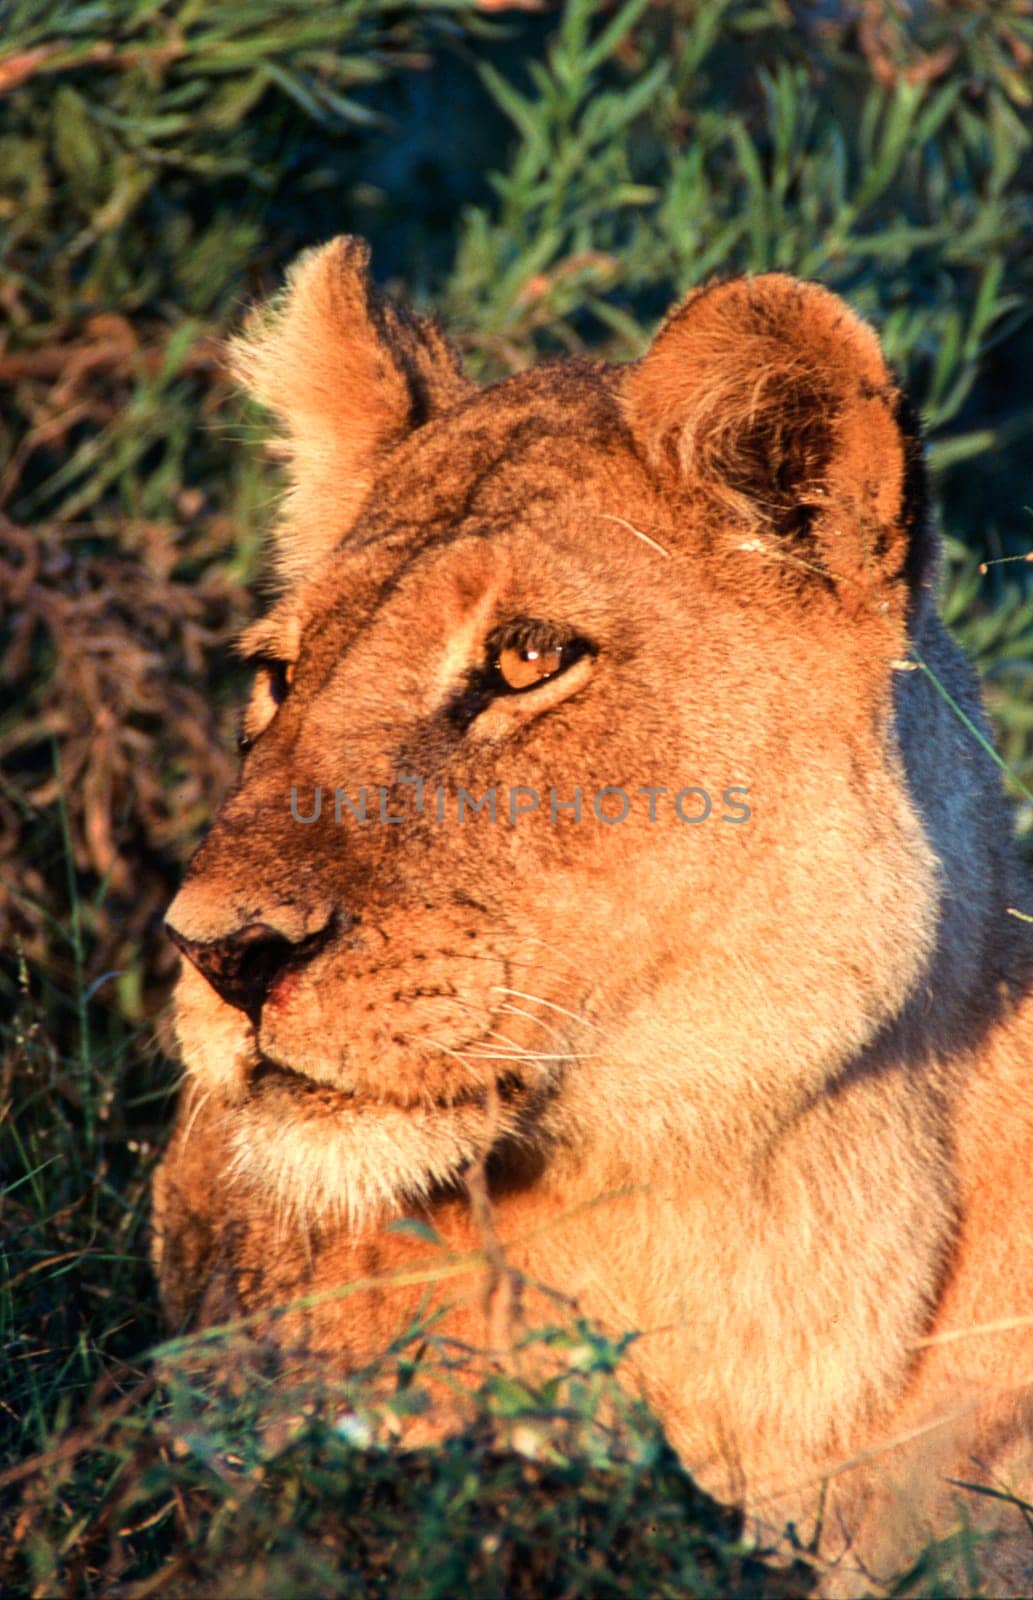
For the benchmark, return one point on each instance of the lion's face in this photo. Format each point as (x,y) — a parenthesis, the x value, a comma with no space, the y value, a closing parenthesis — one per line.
(655,614)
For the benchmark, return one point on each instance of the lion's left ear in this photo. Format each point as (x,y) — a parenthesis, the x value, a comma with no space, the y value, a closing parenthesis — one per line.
(771,399)
(347,373)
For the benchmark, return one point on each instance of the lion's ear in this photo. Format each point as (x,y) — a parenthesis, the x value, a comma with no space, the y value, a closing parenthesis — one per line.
(347,373)
(769,397)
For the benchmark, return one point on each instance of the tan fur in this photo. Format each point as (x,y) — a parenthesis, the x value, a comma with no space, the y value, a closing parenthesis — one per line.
(758,1091)
(348,375)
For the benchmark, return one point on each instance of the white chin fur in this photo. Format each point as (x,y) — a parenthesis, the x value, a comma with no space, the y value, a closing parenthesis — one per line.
(353,1167)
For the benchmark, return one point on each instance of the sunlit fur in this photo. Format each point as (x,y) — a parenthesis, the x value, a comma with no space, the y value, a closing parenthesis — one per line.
(759,1092)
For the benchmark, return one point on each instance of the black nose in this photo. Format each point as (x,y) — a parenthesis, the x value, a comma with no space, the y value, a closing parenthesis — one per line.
(242,966)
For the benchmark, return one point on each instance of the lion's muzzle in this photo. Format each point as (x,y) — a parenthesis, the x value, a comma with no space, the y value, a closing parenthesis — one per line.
(243,965)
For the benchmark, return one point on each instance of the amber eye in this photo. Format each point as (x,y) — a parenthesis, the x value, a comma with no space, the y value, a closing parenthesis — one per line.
(528,651)
(522,666)
(519,657)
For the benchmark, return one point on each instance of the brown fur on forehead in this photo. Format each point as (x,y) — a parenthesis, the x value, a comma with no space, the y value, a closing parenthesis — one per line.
(516,456)
(514,445)
(521,456)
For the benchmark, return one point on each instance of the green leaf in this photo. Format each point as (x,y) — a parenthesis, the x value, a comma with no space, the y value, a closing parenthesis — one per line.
(78,151)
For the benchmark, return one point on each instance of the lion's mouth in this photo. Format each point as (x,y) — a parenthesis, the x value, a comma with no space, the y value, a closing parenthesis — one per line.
(267,1074)
(270,1080)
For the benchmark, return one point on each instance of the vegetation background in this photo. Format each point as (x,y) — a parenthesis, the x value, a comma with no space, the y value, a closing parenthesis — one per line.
(549,180)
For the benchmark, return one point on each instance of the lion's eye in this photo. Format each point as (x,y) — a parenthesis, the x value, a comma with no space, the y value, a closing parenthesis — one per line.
(521,667)
(527,651)
(519,657)
(273,679)
(279,675)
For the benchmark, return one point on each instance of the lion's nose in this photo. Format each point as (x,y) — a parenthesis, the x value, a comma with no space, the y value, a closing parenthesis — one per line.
(241,966)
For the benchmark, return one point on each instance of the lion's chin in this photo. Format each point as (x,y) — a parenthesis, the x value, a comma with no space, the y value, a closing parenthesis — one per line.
(328,1156)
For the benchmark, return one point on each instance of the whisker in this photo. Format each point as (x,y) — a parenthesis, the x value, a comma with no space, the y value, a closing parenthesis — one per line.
(195,1111)
(530,966)
(504,1055)
(533,1055)
(553,949)
(493,1033)
(478,1011)
(523,995)
(624,523)
(459,1055)
(518,1011)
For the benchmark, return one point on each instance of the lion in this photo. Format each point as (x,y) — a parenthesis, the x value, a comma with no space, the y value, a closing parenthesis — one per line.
(618,826)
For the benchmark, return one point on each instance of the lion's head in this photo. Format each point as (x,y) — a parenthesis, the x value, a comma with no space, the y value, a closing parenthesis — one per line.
(662,614)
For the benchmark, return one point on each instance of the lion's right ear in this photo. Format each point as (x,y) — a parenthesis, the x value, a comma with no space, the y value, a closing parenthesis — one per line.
(347,373)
